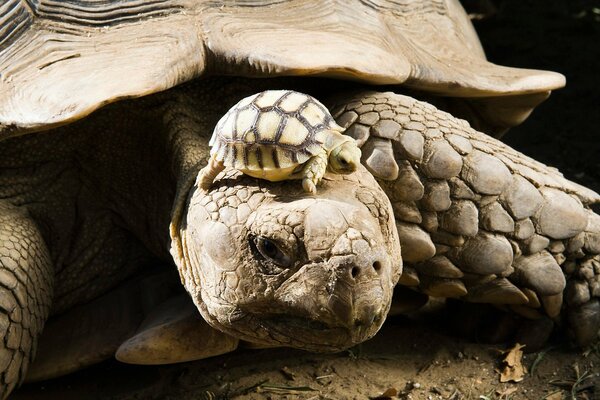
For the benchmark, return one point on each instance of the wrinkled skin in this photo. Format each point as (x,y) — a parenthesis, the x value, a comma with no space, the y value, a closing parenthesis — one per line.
(289,268)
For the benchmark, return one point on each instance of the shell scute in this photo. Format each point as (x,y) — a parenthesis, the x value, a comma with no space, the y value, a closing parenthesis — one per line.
(271,130)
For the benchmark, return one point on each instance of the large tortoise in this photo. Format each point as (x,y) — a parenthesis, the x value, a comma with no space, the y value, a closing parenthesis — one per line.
(87,207)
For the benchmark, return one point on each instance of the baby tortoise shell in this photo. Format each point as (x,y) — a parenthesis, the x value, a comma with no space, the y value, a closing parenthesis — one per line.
(278,135)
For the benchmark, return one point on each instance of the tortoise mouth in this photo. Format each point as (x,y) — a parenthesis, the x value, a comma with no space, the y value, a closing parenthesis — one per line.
(312,335)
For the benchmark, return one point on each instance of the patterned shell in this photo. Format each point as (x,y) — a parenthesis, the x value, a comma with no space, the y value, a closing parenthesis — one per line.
(270,130)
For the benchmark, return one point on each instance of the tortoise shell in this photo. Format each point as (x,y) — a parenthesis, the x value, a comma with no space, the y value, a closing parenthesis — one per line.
(59,61)
(274,129)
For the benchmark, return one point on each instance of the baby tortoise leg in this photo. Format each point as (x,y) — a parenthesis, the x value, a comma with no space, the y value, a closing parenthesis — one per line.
(313,172)
(208,174)
(26,285)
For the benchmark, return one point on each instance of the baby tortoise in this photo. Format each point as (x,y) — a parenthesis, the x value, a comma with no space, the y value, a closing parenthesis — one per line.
(278,135)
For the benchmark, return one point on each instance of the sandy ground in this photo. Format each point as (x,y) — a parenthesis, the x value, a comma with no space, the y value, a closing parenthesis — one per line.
(419,359)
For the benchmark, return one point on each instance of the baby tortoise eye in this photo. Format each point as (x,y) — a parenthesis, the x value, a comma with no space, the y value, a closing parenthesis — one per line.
(269,250)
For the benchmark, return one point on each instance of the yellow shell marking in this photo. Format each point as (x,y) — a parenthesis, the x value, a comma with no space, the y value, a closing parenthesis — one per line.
(268,98)
(294,133)
(313,114)
(268,125)
(292,102)
(269,135)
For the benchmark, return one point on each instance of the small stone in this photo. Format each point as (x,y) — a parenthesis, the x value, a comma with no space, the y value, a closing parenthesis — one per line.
(536,243)
(436,196)
(524,229)
(410,145)
(495,218)
(359,132)
(577,293)
(461,218)
(485,173)
(416,244)
(441,161)
(486,254)
(386,129)
(407,212)
(561,216)
(541,273)
(378,157)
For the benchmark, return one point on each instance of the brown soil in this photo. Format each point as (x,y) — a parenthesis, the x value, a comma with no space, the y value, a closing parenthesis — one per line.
(417,358)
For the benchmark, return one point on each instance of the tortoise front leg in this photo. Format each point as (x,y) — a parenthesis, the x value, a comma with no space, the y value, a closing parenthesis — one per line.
(478,220)
(26,283)
(313,172)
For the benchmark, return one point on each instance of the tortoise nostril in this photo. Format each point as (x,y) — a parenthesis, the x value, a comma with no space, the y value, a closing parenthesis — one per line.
(354,272)
(377,266)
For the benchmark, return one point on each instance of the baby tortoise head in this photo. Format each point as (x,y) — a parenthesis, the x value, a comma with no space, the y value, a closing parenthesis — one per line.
(269,263)
(280,135)
(345,158)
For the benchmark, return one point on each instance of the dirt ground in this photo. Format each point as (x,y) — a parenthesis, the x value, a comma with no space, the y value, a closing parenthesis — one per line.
(419,359)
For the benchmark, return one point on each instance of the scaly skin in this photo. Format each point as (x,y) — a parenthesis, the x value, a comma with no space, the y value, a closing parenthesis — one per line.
(26,284)
(477,220)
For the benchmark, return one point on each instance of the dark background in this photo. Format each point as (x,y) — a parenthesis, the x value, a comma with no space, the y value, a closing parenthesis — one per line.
(562,36)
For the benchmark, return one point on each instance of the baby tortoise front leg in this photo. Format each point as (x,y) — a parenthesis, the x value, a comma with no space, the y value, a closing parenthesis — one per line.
(208,174)
(26,282)
(478,220)
(313,172)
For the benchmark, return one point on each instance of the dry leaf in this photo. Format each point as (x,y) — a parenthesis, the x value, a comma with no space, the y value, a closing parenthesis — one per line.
(513,369)
(505,393)
(554,396)
(387,395)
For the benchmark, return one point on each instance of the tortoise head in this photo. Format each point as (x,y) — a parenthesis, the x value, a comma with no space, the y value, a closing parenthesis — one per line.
(271,264)
(345,158)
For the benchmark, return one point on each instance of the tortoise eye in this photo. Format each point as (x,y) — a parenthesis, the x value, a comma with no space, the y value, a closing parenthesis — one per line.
(269,250)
